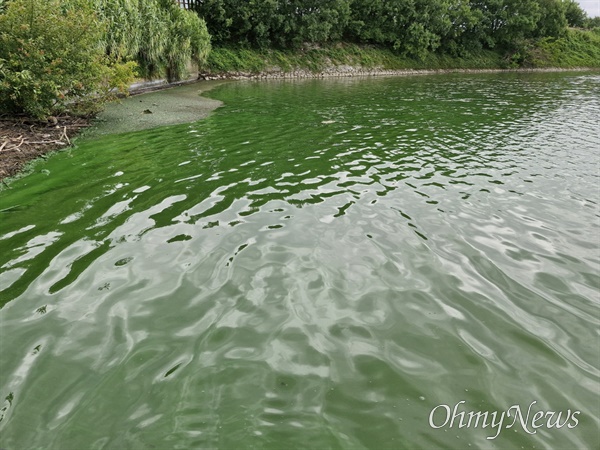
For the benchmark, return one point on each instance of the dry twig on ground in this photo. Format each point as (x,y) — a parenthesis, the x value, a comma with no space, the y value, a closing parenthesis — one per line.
(22,140)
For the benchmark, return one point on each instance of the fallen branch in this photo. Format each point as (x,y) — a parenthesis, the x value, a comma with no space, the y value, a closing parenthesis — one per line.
(23,139)
(65,135)
(45,142)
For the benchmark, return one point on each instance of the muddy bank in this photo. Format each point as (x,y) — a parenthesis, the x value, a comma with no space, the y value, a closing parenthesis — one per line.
(23,140)
(171,106)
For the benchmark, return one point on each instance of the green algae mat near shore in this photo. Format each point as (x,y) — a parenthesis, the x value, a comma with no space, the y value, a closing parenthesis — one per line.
(183,104)
(409,262)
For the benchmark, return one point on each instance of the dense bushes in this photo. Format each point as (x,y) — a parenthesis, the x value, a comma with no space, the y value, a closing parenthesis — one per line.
(577,48)
(412,28)
(398,34)
(49,56)
(161,37)
(188,39)
(55,53)
(281,23)
(59,53)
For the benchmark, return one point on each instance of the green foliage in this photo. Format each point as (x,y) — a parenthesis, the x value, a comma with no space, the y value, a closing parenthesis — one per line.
(592,23)
(552,21)
(504,23)
(281,23)
(413,28)
(576,17)
(577,48)
(122,37)
(319,58)
(50,58)
(312,21)
(188,39)
(161,37)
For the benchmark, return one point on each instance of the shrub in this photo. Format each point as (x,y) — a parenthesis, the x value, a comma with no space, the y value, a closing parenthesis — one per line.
(578,48)
(50,57)
(160,36)
(188,40)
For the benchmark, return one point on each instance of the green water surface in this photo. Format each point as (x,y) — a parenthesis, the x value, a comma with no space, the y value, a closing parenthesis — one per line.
(316,265)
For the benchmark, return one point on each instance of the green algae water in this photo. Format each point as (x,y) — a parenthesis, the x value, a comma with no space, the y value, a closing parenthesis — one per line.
(319,264)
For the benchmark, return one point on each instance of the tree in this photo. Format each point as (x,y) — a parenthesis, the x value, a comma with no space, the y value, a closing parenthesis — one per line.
(552,21)
(592,22)
(161,37)
(412,27)
(50,57)
(282,23)
(575,16)
(187,40)
(317,21)
(466,32)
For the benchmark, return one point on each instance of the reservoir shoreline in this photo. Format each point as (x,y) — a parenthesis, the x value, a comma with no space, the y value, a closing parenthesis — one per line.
(150,105)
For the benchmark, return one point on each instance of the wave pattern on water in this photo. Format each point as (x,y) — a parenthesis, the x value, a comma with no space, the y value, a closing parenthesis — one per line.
(317,264)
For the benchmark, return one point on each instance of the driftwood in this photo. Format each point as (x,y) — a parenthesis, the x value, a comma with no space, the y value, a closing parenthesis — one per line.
(22,139)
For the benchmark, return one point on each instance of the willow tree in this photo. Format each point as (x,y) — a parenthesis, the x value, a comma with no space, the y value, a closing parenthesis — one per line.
(188,40)
(161,37)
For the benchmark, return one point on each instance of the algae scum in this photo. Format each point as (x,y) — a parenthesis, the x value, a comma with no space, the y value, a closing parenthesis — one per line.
(316,264)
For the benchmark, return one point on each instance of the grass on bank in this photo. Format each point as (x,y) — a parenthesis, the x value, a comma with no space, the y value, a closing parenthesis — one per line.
(319,58)
(578,48)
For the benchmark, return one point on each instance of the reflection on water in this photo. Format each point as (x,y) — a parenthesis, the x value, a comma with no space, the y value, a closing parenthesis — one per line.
(316,265)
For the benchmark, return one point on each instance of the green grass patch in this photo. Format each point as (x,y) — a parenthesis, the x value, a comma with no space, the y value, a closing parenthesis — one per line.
(319,58)
(578,48)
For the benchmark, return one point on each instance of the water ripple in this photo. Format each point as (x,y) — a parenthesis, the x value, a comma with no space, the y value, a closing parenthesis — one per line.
(316,263)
